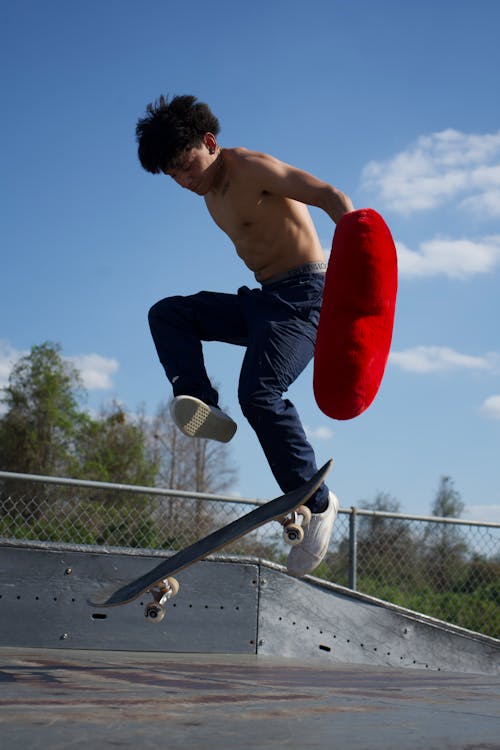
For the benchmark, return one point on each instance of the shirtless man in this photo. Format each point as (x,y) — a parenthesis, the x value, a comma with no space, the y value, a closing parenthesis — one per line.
(261,204)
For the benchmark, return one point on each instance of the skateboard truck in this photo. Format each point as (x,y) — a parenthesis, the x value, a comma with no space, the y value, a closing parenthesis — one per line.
(155,611)
(294,525)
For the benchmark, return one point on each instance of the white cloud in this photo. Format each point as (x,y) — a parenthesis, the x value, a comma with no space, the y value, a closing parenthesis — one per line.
(429,359)
(436,169)
(488,203)
(96,371)
(318,433)
(457,259)
(491,407)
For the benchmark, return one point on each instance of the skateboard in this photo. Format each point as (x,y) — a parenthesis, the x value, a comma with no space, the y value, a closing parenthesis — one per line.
(288,509)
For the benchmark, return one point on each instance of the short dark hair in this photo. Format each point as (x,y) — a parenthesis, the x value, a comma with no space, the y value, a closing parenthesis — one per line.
(169,128)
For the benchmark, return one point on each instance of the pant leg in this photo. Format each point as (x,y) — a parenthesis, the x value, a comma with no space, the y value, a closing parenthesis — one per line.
(180,324)
(282,324)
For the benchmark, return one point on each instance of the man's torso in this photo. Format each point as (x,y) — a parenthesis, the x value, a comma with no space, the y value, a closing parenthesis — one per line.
(271,233)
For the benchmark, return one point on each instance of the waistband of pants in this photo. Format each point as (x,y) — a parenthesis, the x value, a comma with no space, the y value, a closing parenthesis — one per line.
(307,269)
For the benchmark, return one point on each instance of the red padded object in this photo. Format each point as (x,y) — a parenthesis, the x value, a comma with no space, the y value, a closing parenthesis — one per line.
(357,315)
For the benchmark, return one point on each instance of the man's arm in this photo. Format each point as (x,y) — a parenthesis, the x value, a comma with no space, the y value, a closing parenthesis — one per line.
(278,178)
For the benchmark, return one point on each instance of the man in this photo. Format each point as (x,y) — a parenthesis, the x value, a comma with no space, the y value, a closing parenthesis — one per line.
(261,204)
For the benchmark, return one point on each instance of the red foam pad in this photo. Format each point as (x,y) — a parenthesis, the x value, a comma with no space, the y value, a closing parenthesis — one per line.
(357,315)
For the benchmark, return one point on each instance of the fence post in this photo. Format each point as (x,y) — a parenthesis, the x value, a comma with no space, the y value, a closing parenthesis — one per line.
(353,549)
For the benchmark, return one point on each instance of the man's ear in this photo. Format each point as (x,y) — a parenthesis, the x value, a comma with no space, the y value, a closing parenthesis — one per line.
(210,142)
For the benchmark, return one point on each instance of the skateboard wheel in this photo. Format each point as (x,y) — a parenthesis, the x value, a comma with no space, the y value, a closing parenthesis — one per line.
(154,612)
(174,586)
(306,514)
(293,534)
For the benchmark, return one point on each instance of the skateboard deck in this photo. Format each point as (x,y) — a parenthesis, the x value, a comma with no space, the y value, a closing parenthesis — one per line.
(157,580)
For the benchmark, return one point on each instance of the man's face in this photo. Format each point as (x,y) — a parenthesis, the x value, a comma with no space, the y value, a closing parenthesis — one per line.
(191,170)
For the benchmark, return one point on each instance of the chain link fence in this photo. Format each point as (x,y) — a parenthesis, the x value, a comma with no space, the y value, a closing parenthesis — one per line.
(449,569)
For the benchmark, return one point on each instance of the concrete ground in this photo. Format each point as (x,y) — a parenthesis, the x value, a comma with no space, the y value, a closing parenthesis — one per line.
(57,698)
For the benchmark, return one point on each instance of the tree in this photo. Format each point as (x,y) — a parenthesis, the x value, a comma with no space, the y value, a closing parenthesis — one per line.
(39,430)
(189,464)
(447,503)
(445,547)
(385,543)
(45,430)
(115,448)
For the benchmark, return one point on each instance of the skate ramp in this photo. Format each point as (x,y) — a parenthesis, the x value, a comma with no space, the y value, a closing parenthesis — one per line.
(225,606)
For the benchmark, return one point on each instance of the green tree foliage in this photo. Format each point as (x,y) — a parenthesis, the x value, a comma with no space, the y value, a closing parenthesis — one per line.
(383,541)
(428,567)
(114,448)
(42,419)
(44,430)
(447,503)
(444,545)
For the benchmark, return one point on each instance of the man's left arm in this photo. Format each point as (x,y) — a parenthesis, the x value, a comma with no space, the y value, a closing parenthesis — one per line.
(280,178)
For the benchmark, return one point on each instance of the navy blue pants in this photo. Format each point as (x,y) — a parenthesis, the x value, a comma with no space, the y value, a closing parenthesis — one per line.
(277,324)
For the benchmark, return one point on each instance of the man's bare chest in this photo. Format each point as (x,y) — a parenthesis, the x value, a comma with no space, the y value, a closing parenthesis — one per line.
(239,212)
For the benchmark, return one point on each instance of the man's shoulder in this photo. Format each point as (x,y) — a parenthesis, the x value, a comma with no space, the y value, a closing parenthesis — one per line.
(241,154)
(241,158)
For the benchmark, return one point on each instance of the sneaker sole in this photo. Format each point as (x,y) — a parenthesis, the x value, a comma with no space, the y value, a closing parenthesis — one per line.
(195,419)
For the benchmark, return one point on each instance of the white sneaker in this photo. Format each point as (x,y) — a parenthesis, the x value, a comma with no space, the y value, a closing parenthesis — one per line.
(197,419)
(309,553)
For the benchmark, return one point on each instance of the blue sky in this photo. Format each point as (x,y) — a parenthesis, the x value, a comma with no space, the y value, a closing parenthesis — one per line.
(395,103)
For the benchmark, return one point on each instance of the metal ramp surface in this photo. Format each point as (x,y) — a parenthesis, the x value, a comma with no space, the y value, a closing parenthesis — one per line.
(225,605)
